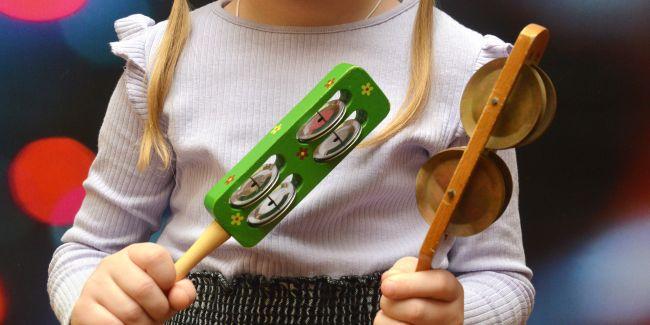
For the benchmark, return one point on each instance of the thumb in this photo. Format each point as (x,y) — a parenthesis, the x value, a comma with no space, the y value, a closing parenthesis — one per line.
(403,265)
(181,295)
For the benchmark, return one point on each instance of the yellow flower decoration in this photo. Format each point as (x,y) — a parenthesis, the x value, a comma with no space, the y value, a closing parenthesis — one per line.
(230,179)
(366,89)
(330,83)
(276,129)
(236,219)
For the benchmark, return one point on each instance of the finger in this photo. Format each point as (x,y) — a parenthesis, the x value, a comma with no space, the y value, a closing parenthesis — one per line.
(416,310)
(122,306)
(403,265)
(434,284)
(181,295)
(390,273)
(406,264)
(142,288)
(93,313)
(382,319)
(155,261)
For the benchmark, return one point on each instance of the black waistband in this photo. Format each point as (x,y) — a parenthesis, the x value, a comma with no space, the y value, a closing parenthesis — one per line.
(249,299)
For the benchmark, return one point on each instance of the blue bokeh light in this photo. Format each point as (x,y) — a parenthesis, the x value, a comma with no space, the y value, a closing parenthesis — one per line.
(603,281)
(89,31)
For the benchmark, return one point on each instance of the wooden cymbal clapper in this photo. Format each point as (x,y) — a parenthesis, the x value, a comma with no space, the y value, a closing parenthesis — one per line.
(507,103)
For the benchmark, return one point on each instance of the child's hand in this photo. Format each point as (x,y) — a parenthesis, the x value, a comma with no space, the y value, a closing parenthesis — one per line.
(409,297)
(136,285)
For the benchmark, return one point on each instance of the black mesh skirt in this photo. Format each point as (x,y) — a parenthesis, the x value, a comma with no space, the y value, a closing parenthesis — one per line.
(248,299)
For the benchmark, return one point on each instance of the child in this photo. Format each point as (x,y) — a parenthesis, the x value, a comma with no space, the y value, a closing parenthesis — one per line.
(201,90)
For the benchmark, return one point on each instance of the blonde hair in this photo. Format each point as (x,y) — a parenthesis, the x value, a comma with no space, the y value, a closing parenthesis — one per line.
(178,29)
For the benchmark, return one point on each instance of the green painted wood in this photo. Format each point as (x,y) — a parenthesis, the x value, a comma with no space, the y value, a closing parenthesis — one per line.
(362,93)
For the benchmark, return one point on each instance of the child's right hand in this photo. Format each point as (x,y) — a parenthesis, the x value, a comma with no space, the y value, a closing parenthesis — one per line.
(136,285)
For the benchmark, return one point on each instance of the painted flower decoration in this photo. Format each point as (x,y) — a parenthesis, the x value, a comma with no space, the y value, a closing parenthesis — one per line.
(302,153)
(276,129)
(236,219)
(230,179)
(330,83)
(366,89)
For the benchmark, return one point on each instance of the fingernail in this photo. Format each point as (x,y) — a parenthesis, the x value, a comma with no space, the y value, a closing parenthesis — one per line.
(386,275)
(388,287)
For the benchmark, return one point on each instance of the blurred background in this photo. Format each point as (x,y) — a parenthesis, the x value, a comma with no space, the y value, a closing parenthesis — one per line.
(585,186)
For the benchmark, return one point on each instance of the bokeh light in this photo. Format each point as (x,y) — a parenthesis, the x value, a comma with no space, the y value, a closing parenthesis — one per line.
(4,303)
(91,29)
(40,10)
(45,179)
(67,206)
(603,281)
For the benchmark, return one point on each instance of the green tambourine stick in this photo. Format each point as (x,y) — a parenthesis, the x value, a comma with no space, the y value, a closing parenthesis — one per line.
(288,163)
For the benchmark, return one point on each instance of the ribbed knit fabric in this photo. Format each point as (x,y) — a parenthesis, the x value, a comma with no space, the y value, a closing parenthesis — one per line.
(234,81)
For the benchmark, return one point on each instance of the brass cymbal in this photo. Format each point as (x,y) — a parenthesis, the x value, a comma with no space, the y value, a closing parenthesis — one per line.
(485,197)
(549,111)
(507,177)
(520,113)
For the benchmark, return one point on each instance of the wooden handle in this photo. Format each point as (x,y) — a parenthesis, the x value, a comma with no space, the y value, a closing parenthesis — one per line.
(211,238)
(424,263)
(528,49)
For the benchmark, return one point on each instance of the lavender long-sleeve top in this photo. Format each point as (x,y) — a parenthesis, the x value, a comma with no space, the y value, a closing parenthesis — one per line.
(235,80)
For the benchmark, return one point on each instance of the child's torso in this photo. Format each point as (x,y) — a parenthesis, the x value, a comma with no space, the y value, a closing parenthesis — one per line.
(234,83)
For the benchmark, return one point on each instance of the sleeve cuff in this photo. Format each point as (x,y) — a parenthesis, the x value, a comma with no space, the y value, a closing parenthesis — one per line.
(67,275)
(497,298)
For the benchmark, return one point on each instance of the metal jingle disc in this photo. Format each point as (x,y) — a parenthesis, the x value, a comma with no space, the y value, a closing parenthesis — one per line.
(276,204)
(323,121)
(485,197)
(549,111)
(520,113)
(258,184)
(341,139)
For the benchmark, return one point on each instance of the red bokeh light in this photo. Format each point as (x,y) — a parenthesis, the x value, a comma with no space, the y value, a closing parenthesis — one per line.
(630,196)
(66,207)
(45,179)
(40,10)
(3,303)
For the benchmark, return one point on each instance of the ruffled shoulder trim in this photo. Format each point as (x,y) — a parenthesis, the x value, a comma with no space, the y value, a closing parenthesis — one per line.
(132,32)
(492,48)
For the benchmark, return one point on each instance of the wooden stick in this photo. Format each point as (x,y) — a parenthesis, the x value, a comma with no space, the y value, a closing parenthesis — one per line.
(212,237)
(528,49)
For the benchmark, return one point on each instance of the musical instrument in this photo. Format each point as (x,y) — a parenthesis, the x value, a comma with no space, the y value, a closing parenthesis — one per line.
(290,161)
(507,103)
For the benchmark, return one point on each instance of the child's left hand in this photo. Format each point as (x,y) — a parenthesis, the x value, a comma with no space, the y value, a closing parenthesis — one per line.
(429,297)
